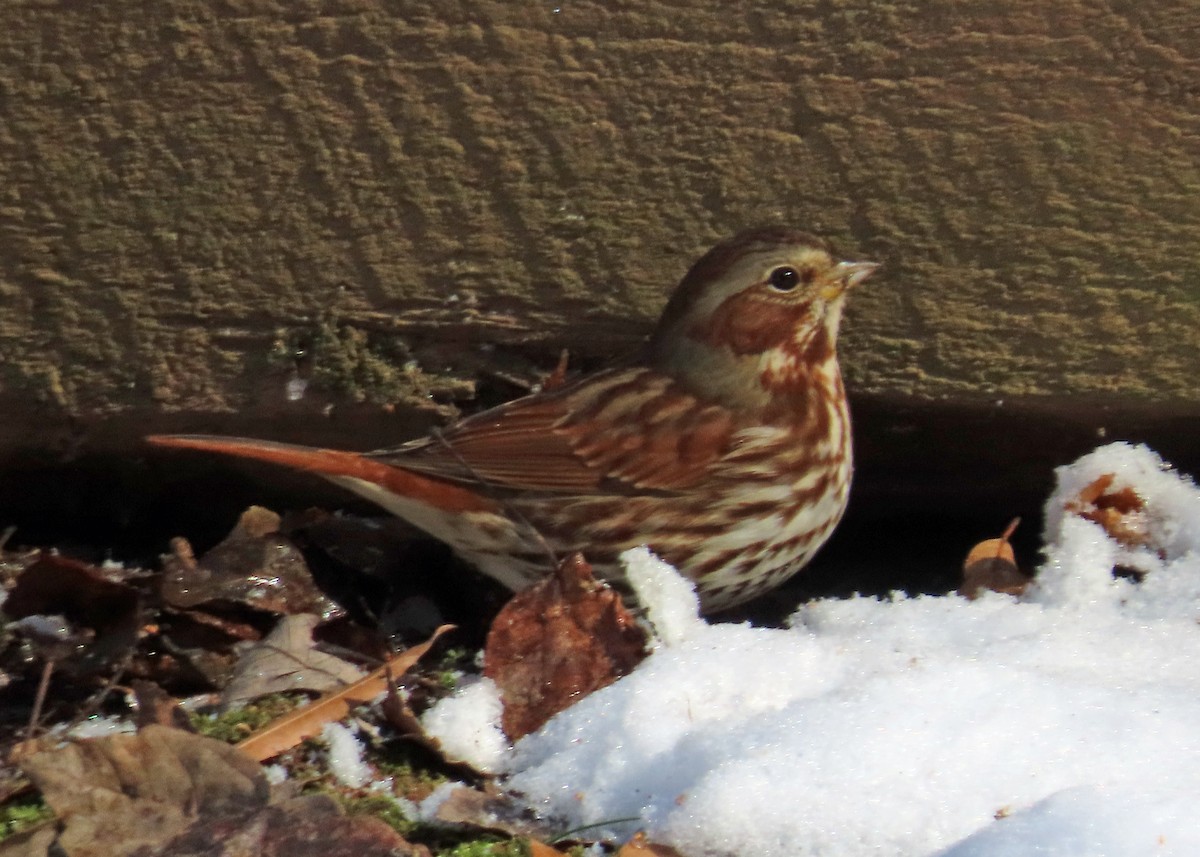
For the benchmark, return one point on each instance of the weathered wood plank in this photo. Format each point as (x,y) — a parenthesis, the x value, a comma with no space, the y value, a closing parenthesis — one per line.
(188,190)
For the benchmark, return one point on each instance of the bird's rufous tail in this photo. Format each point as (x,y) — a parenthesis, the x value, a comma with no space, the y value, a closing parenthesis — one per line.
(335,463)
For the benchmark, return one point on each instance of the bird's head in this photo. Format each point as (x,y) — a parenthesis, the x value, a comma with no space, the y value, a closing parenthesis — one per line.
(756,317)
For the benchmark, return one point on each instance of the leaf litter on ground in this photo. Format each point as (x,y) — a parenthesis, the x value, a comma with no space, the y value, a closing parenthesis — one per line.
(308,720)
(287,660)
(164,792)
(255,566)
(558,641)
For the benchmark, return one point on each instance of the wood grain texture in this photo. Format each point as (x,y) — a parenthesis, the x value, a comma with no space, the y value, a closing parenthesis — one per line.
(190,190)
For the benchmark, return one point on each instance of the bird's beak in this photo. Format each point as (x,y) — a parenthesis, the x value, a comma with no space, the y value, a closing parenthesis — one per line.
(854,273)
(847,275)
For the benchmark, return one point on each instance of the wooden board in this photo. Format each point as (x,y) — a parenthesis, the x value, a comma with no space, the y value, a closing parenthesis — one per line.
(191,192)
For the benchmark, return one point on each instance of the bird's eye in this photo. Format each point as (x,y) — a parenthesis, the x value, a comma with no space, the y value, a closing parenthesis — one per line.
(785,279)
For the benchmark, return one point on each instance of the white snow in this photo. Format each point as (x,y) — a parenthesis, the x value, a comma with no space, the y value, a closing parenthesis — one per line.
(672,606)
(468,726)
(98,726)
(345,755)
(1063,722)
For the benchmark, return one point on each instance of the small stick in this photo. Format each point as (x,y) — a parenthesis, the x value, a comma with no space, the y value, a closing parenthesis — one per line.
(39,698)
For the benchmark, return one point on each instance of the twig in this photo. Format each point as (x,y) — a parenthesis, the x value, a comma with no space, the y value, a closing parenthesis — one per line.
(39,698)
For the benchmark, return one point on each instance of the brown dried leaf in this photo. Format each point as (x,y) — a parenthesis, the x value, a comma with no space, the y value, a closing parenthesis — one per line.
(308,826)
(157,707)
(497,813)
(1123,500)
(397,712)
(254,567)
(556,642)
(167,793)
(991,564)
(1091,492)
(122,793)
(194,645)
(87,597)
(307,721)
(541,849)
(1118,512)
(639,846)
(287,660)
(34,842)
(201,629)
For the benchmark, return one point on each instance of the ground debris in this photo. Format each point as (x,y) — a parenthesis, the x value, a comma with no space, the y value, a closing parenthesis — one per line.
(255,567)
(558,641)
(287,660)
(167,793)
(992,565)
(1120,511)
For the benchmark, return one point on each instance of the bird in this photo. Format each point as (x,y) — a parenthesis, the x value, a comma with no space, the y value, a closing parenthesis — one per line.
(724,446)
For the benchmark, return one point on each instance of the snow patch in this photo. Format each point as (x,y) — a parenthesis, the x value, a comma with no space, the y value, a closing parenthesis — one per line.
(1060,723)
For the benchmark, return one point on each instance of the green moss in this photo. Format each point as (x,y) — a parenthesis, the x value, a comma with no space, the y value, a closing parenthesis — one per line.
(361,365)
(234,726)
(22,813)
(381,807)
(410,780)
(487,848)
(451,665)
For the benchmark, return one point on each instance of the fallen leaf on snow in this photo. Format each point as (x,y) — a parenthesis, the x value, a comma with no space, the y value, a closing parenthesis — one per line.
(556,642)
(991,564)
(1120,512)
(307,721)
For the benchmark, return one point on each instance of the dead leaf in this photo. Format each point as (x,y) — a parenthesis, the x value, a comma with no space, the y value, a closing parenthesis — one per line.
(286,660)
(255,566)
(991,564)
(1088,495)
(556,642)
(1120,513)
(308,826)
(156,706)
(397,712)
(541,849)
(86,596)
(198,628)
(121,793)
(307,721)
(34,842)
(167,793)
(497,813)
(194,645)
(639,846)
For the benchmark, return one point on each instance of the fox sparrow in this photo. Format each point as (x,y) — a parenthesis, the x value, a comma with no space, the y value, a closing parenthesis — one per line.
(725,449)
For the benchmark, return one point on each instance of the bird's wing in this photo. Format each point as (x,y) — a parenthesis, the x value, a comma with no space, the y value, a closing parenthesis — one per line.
(623,431)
